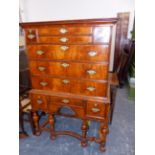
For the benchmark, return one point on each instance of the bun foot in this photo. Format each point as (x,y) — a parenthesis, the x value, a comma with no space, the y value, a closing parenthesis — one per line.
(102,148)
(53,137)
(84,144)
(23,135)
(37,133)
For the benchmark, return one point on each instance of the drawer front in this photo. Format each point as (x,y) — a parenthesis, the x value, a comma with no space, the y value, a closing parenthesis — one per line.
(62,30)
(69,69)
(38,101)
(78,111)
(65,39)
(69,52)
(67,101)
(31,35)
(102,34)
(96,109)
(82,87)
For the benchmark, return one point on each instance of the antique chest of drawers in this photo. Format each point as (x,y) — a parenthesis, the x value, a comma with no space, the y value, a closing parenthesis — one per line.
(69,63)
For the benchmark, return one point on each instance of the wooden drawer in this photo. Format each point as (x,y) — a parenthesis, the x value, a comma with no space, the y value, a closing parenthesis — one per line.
(95,109)
(67,101)
(38,101)
(59,30)
(70,69)
(65,39)
(62,30)
(60,39)
(78,111)
(69,52)
(31,35)
(102,34)
(82,87)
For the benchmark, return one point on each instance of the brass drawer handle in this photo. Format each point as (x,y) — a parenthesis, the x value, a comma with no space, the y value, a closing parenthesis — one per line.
(95,110)
(40,52)
(63,30)
(91,72)
(65,101)
(31,36)
(64,39)
(91,88)
(43,83)
(64,48)
(65,81)
(65,65)
(92,53)
(41,68)
(39,101)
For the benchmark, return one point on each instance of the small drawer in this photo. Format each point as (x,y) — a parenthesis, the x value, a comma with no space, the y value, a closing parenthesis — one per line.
(39,102)
(95,109)
(67,101)
(102,34)
(31,35)
(78,111)
(63,30)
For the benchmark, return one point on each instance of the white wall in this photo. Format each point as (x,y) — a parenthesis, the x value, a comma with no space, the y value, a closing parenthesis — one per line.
(46,10)
(49,10)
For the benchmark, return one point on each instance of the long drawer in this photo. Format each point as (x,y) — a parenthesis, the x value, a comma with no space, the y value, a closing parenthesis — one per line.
(82,87)
(69,52)
(64,39)
(61,30)
(70,69)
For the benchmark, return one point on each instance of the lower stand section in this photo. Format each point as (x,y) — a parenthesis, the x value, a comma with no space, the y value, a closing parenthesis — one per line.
(101,140)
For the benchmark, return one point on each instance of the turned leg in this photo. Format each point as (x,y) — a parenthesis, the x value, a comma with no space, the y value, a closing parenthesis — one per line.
(31,122)
(84,128)
(102,135)
(51,122)
(113,98)
(36,123)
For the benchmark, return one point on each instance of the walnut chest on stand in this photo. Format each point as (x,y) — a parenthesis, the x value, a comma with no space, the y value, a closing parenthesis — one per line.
(69,64)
